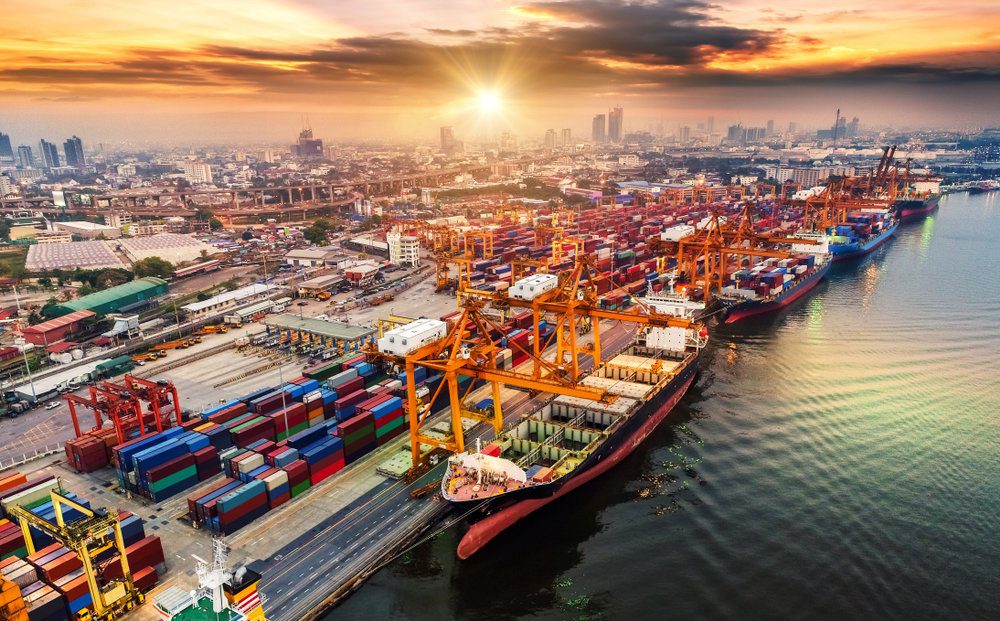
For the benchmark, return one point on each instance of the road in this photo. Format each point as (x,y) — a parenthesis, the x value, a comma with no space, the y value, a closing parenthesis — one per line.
(355,542)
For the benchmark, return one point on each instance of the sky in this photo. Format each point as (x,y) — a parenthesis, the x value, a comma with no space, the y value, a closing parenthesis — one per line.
(258,70)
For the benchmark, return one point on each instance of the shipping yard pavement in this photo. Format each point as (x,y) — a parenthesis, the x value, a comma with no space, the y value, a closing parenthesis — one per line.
(40,428)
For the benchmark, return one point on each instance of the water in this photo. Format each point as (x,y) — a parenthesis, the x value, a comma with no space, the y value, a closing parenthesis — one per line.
(839,461)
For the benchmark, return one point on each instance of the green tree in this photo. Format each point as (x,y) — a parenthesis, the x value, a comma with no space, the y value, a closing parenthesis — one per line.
(247,235)
(4,229)
(153,266)
(214,223)
(317,232)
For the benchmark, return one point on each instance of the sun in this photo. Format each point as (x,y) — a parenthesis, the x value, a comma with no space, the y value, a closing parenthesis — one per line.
(489,102)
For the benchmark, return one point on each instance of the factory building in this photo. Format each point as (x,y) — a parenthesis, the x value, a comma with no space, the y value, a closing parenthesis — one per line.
(112,300)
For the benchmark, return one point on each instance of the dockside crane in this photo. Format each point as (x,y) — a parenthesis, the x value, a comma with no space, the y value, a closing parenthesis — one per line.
(89,536)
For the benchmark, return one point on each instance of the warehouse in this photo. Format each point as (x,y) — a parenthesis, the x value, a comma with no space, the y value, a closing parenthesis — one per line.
(112,300)
(319,332)
(87,230)
(84,254)
(318,285)
(55,330)
(172,247)
(223,301)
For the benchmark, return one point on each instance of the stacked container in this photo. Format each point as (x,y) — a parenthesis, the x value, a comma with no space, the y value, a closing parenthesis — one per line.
(358,434)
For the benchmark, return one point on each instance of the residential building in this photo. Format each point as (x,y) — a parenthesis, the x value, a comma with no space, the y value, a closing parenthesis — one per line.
(550,138)
(598,132)
(403,249)
(125,170)
(73,147)
(25,159)
(6,152)
(197,172)
(616,124)
(7,186)
(808,177)
(449,144)
(685,135)
(49,154)
(567,137)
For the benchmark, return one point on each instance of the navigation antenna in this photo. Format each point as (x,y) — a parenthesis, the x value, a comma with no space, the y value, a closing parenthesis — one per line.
(212,579)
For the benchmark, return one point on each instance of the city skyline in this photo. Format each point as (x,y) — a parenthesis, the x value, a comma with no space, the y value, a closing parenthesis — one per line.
(146,73)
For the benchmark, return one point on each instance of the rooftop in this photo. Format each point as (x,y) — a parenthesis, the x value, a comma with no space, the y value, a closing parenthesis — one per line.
(332,329)
(83,225)
(141,285)
(59,322)
(229,296)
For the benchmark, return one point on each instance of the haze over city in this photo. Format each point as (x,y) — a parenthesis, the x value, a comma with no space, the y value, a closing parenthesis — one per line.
(253,72)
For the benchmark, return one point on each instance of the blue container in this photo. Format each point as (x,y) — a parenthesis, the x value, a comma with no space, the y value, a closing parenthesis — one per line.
(395,404)
(125,453)
(306,437)
(328,395)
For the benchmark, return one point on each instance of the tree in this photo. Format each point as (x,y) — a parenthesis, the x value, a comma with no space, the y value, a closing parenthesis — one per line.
(247,235)
(153,266)
(4,229)
(317,232)
(214,223)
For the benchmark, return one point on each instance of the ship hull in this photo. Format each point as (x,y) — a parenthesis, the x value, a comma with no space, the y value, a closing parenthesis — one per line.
(501,513)
(846,252)
(751,308)
(916,209)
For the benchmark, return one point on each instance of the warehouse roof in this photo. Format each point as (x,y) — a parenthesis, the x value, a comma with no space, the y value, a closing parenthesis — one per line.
(229,296)
(320,281)
(332,329)
(114,293)
(59,322)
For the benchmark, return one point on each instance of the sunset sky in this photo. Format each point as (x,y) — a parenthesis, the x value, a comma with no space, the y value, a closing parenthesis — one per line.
(250,70)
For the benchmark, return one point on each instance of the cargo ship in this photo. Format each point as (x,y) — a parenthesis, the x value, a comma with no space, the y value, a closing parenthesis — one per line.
(922,199)
(864,231)
(569,441)
(221,595)
(773,284)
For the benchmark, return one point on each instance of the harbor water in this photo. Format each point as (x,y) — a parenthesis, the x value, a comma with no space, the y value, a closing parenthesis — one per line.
(839,460)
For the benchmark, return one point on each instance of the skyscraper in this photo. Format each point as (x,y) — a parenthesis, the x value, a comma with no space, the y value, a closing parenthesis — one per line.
(567,137)
(616,120)
(550,138)
(24,157)
(6,152)
(770,128)
(736,134)
(710,125)
(685,134)
(74,152)
(597,132)
(448,142)
(50,154)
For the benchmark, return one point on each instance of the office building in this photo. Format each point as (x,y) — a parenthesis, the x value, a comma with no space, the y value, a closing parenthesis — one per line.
(685,134)
(550,138)
(770,128)
(73,147)
(197,172)
(403,249)
(598,129)
(736,135)
(567,137)
(49,154)
(308,147)
(24,157)
(710,125)
(616,121)
(6,151)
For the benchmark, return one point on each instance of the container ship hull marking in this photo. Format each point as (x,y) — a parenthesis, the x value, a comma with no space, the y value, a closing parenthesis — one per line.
(914,209)
(846,252)
(502,512)
(749,308)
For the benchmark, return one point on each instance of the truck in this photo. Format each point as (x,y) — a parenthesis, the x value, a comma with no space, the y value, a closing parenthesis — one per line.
(233,321)
(212,329)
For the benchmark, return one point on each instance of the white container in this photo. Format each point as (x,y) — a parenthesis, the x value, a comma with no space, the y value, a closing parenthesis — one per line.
(677,233)
(412,336)
(533,286)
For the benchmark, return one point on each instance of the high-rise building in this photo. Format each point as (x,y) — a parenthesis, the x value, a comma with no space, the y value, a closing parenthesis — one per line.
(710,125)
(770,128)
(308,147)
(197,172)
(7,186)
(74,152)
(852,127)
(24,157)
(598,129)
(6,151)
(685,134)
(567,137)
(550,138)
(736,134)
(50,154)
(792,127)
(449,144)
(508,142)
(616,120)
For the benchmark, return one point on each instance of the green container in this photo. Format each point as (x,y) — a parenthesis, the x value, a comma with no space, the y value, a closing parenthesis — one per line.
(243,426)
(390,427)
(239,420)
(375,379)
(19,553)
(354,436)
(174,479)
(301,487)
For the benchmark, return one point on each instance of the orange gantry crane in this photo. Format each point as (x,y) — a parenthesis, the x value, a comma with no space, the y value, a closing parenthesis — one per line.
(572,306)
(122,406)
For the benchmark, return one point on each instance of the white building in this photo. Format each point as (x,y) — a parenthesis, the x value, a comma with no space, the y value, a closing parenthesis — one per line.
(8,187)
(197,172)
(403,249)
(309,257)
(125,170)
(227,300)
(87,230)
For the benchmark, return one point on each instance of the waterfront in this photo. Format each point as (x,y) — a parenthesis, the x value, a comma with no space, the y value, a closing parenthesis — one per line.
(839,460)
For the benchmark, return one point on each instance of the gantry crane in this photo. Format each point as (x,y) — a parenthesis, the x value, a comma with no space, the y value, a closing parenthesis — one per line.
(121,405)
(90,536)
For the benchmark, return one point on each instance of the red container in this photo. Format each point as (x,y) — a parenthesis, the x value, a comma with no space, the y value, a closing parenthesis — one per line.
(193,499)
(61,566)
(356,422)
(147,552)
(145,579)
(320,474)
(258,501)
(262,430)
(351,385)
(371,402)
(388,418)
(280,500)
(298,471)
(228,414)
(352,398)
